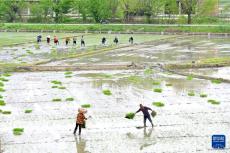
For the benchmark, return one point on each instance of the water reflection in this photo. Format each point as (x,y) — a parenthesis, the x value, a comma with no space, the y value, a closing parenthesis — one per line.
(80,145)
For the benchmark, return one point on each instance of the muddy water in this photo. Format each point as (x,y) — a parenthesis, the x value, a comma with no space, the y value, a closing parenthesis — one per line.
(179,49)
(184,124)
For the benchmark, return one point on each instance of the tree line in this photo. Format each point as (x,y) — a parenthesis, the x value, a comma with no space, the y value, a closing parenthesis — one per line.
(59,11)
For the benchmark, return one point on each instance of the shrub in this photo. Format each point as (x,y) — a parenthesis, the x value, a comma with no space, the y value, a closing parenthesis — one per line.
(86,106)
(158,104)
(18,131)
(107,92)
(214,102)
(6,112)
(69,99)
(130,115)
(56,100)
(28,111)
(191,93)
(56,82)
(202,95)
(157,90)
(2,103)
(216,81)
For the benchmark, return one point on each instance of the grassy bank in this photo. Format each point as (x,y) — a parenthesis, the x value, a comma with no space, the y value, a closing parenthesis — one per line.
(116,28)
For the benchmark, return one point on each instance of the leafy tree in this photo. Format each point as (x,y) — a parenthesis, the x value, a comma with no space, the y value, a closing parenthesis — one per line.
(189,7)
(208,8)
(129,8)
(82,7)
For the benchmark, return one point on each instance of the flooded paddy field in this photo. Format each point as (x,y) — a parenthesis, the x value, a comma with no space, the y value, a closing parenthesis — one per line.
(191,110)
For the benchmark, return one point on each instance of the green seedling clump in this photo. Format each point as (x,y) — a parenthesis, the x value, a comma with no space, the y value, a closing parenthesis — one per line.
(3,79)
(6,112)
(191,93)
(168,84)
(61,87)
(158,104)
(68,73)
(2,90)
(0,111)
(202,95)
(68,76)
(54,86)
(214,102)
(1,96)
(190,77)
(86,106)
(148,71)
(56,82)
(107,92)
(69,99)
(130,115)
(156,83)
(216,81)
(28,111)
(157,90)
(56,100)
(18,131)
(2,103)
(1,84)
(6,74)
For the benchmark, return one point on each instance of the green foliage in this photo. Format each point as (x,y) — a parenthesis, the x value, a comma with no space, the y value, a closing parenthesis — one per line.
(6,112)
(69,99)
(2,103)
(86,106)
(158,104)
(216,81)
(157,90)
(107,92)
(18,131)
(57,100)
(214,102)
(56,82)
(28,111)
(130,115)
(202,95)
(191,93)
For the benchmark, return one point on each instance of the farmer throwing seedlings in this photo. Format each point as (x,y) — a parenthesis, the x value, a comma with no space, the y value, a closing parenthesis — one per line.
(145,111)
(80,120)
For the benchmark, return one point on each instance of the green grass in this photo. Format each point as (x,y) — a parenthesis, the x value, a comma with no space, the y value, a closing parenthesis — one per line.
(157,90)
(214,102)
(28,111)
(6,112)
(61,87)
(130,115)
(216,81)
(2,90)
(191,93)
(107,92)
(56,82)
(57,100)
(69,99)
(2,103)
(18,131)
(158,104)
(202,95)
(190,77)
(86,106)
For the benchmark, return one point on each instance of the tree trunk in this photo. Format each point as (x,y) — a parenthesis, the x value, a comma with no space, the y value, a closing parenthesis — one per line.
(189,18)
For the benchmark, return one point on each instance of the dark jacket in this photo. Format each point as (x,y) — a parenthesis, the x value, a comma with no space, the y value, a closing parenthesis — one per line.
(144,110)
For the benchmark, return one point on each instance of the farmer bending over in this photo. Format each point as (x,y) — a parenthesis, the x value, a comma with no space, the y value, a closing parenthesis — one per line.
(80,120)
(146,114)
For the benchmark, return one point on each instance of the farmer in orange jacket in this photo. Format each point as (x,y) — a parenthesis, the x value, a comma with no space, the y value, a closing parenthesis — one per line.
(80,120)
